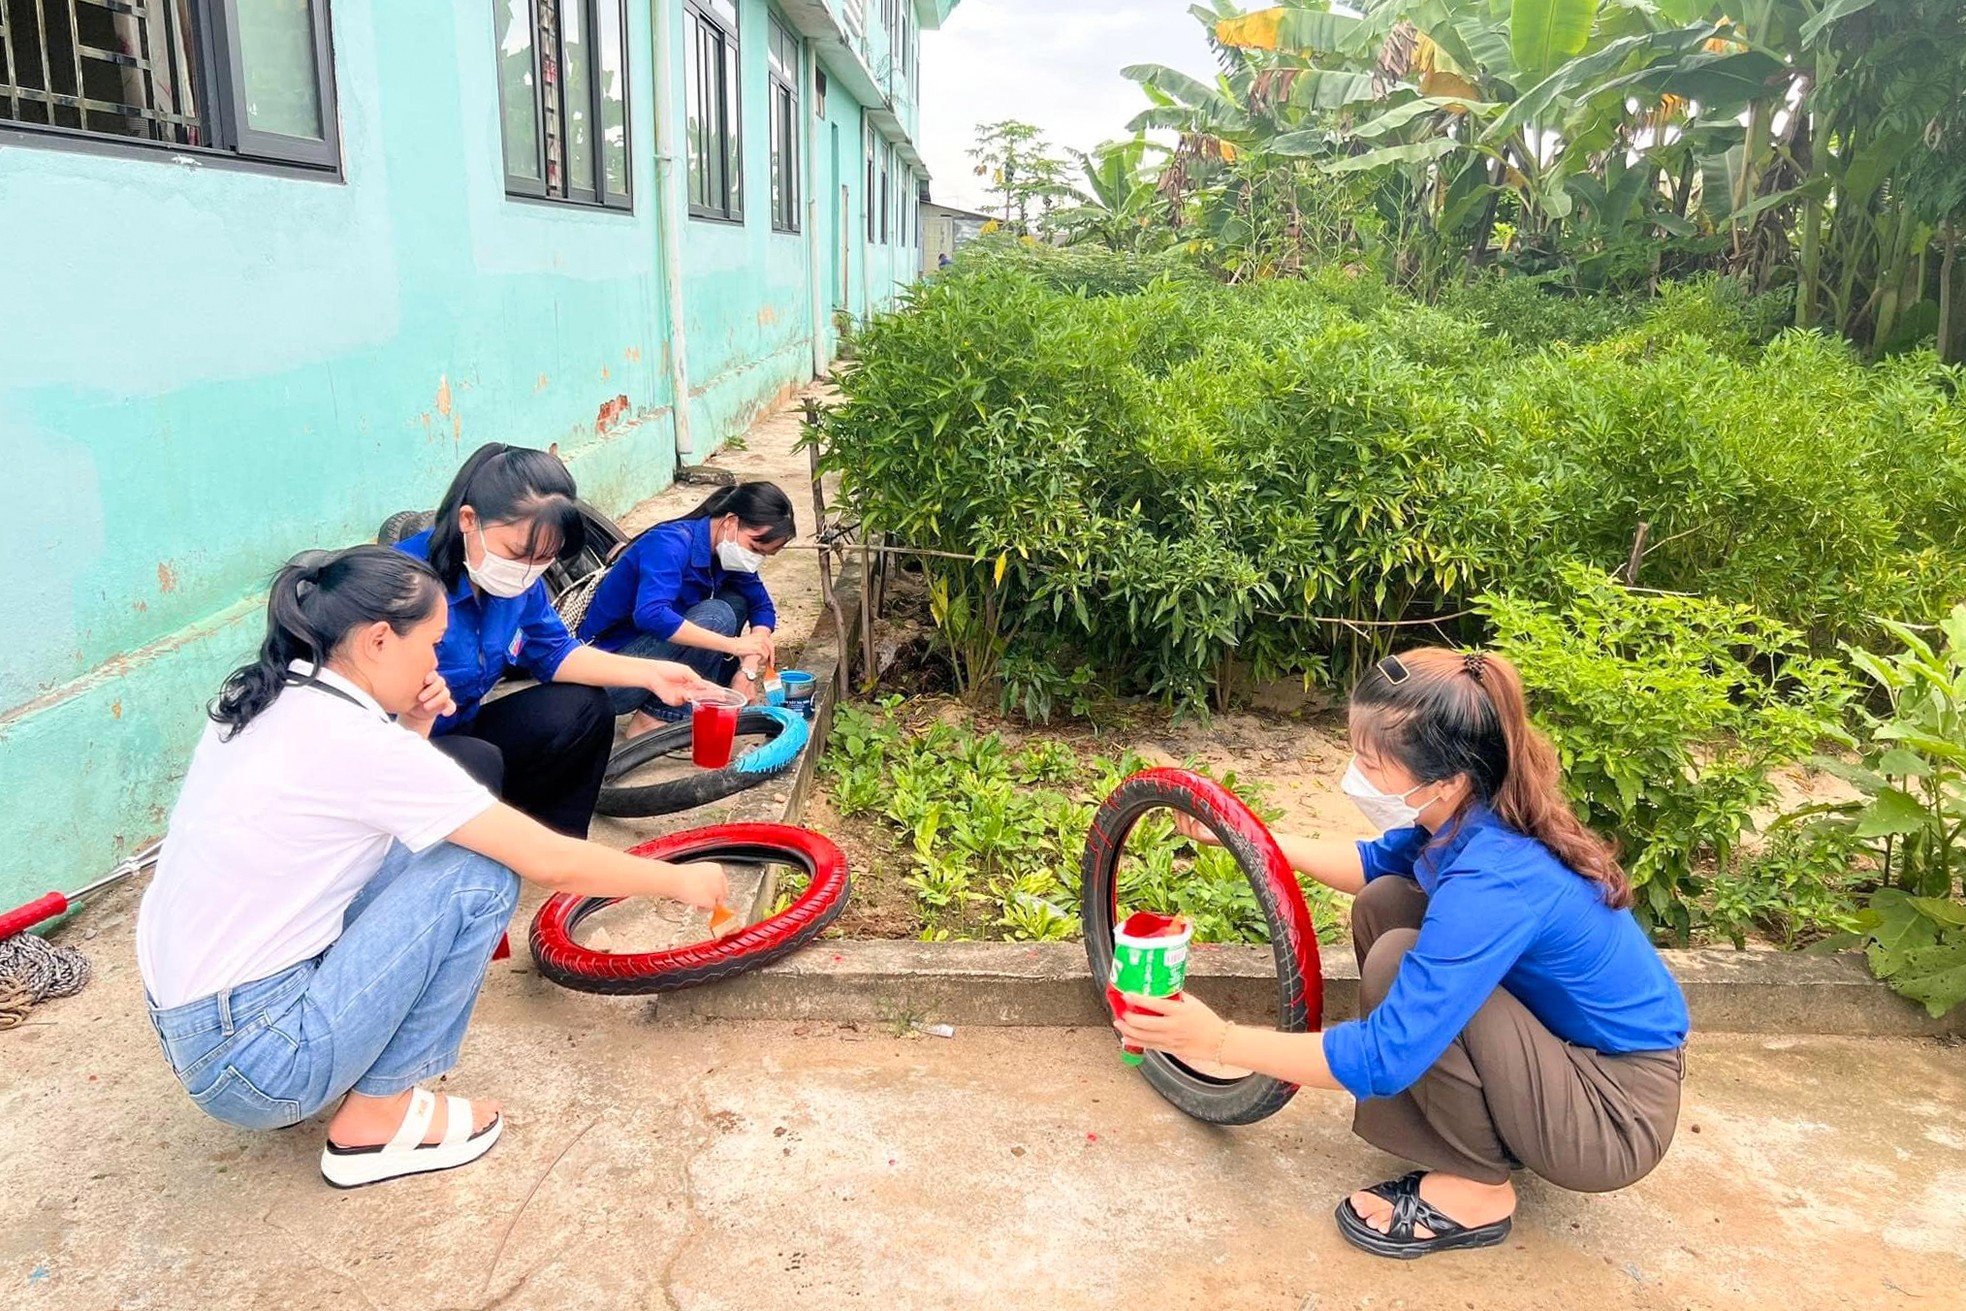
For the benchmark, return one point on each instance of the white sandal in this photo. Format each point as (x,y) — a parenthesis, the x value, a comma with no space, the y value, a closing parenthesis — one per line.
(407,1153)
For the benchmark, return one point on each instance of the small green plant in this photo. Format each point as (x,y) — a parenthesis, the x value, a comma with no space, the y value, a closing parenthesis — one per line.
(996,834)
(1671,715)
(1911,815)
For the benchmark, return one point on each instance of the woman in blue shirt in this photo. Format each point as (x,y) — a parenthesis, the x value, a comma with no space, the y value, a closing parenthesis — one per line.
(684,590)
(509,514)
(1514,1013)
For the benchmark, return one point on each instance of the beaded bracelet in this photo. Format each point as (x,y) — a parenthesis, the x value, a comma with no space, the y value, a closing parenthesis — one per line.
(1223,1040)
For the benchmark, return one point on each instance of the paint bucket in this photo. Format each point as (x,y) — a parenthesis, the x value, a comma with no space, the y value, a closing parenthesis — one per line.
(1150,959)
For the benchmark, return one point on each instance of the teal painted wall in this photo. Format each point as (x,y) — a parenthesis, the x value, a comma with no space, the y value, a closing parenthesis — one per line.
(231,366)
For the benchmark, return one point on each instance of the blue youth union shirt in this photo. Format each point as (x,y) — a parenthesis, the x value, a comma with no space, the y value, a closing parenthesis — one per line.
(488,635)
(667,570)
(1503,912)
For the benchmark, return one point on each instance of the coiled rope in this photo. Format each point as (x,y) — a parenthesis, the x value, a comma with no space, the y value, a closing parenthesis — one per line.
(32,970)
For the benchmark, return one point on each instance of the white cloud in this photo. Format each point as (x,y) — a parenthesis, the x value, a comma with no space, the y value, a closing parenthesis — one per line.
(1054,63)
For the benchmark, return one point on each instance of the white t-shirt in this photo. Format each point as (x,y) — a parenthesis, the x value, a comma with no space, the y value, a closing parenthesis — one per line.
(276,831)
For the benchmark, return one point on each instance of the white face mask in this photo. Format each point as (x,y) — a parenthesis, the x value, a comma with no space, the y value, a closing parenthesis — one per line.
(1386,810)
(500,575)
(739,558)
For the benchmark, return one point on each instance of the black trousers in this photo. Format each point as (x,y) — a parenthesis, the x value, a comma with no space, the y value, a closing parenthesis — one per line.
(542,750)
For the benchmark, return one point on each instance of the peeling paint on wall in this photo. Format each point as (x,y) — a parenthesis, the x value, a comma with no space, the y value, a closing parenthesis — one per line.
(633,355)
(610,414)
(444,395)
(540,384)
(166,577)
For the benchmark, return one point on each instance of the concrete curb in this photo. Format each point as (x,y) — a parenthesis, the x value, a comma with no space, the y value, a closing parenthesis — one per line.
(1009,983)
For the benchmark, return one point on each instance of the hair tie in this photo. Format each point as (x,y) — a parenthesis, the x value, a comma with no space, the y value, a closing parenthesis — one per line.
(1475,663)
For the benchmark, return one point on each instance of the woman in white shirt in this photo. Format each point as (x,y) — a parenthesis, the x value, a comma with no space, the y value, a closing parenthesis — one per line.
(333,886)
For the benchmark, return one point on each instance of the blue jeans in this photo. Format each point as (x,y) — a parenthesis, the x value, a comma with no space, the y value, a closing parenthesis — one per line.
(381,1010)
(724,614)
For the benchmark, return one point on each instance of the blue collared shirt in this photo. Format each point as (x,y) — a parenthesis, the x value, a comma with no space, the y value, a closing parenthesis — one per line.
(661,575)
(1502,911)
(487,635)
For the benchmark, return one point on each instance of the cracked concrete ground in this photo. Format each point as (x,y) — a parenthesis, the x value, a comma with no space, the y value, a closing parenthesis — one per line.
(667,1163)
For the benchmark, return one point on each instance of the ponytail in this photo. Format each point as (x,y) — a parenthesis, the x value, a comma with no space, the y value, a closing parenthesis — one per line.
(1443,713)
(312,605)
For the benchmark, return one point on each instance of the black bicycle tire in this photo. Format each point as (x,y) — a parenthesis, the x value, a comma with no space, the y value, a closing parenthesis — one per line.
(1300,981)
(676,795)
(403,525)
(604,540)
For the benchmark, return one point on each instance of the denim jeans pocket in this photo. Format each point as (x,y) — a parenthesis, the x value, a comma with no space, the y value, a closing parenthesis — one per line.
(235,1100)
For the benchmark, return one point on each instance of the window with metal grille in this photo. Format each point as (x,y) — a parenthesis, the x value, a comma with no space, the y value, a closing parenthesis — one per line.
(782,75)
(563,99)
(887,202)
(252,78)
(714,110)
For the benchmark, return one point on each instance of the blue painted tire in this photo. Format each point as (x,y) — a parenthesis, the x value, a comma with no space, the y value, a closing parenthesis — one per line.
(786,733)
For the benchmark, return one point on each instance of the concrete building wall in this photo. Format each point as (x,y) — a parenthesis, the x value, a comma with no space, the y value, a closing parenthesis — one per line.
(211,368)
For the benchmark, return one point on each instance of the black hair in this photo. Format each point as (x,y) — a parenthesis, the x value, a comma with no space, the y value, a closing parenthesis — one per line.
(1443,714)
(313,604)
(758,506)
(508,484)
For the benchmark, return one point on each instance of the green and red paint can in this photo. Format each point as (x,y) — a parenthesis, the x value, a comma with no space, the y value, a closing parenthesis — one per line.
(1150,959)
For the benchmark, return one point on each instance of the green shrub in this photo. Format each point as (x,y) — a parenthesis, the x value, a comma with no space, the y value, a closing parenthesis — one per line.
(1532,313)
(1670,715)
(1911,816)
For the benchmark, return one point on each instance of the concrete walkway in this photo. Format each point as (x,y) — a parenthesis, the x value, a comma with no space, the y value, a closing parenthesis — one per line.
(668,1163)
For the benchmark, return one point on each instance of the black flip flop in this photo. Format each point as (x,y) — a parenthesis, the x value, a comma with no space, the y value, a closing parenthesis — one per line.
(1411,1212)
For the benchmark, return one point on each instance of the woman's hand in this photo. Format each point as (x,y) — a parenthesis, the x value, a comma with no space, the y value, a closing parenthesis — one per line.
(702,884)
(1180,1026)
(1194,830)
(432,704)
(770,649)
(755,645)
(674,683)
(747,687)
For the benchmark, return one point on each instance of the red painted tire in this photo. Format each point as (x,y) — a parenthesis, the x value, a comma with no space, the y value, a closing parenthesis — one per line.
(571,965)
(1300,974)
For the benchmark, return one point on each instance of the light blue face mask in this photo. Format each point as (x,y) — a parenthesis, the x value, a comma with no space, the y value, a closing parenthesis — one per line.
(1386,810)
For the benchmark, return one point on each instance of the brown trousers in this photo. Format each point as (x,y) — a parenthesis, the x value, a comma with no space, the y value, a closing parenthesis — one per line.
(1507,1093)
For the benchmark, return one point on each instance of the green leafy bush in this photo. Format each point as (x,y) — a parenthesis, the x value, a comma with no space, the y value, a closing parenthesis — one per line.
(1670,715)
(1911,814)
(1173,480)
(1532,313)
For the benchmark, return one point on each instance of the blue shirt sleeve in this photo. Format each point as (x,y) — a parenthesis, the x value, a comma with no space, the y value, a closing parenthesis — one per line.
(1392,852)
(659,580)
(547,643)
(1478,923)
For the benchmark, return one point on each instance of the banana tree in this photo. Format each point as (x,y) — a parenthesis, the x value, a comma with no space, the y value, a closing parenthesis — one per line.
(1119,206)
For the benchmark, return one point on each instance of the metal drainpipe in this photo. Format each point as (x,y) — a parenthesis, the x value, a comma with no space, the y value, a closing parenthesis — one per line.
(815,256)
(669,216)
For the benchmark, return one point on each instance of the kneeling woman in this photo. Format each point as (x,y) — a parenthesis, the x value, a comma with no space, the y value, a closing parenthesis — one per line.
(684,590)
(1515,1016)
(332,886)
(509,514)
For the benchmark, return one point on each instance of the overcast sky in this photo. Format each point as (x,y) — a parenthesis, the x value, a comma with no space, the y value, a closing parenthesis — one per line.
(1055,63)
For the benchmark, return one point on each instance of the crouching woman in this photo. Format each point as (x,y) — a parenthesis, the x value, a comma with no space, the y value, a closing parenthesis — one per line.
(332,886)
(1515,1016)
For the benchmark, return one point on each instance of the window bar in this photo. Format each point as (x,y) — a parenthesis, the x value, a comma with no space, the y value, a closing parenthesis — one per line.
(75,52)
(146,62)
(47,80)
(173,49)
(11,85)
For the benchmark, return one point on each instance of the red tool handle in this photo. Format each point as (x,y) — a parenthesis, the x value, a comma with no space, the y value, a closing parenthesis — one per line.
(25,917)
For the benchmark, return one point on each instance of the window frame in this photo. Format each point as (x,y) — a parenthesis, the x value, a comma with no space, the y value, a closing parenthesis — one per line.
(782,96)
(729,103)
(597,194)
(214,66)
(887,193)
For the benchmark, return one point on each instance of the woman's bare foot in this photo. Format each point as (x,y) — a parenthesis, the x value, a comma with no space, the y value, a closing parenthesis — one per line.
(1470,1204)
(372,1121)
